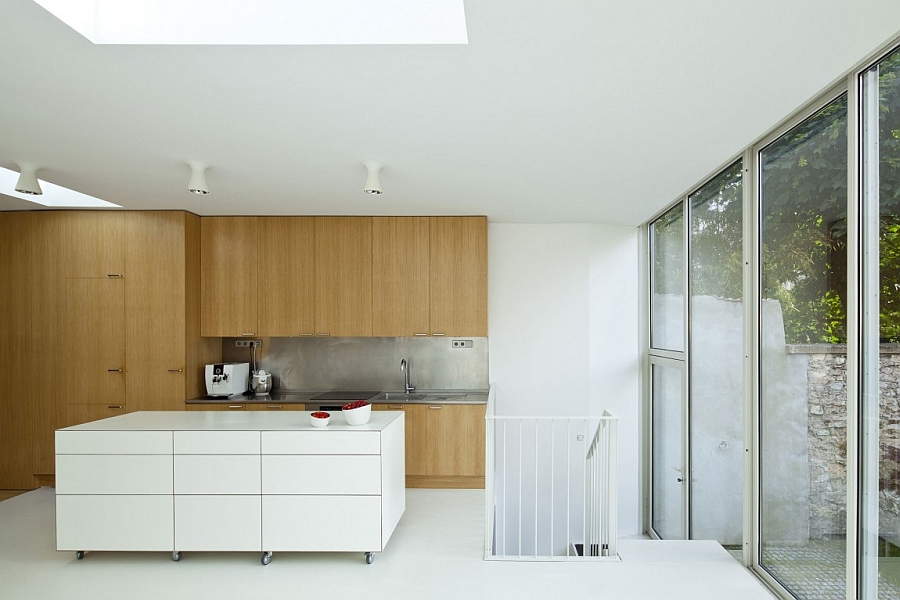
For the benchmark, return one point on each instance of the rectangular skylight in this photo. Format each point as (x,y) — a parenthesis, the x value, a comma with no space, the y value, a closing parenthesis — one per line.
(264,22)
(54,195)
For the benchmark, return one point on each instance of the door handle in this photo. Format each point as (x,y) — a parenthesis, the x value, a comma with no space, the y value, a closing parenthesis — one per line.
(680,479)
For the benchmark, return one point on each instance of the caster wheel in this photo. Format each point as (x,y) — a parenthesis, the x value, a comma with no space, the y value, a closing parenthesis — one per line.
(79,555)
(176,556)
(370,557)
(266,558)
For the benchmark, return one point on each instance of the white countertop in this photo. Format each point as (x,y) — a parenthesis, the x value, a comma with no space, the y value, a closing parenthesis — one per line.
(230,421)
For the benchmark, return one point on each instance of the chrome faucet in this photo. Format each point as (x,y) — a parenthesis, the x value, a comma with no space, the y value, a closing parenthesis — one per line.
(404,368)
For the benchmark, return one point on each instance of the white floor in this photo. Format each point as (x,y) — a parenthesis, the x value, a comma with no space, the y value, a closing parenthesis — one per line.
(435,553)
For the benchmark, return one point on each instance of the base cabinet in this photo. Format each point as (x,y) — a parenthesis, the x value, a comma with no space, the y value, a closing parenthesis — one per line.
(220,481)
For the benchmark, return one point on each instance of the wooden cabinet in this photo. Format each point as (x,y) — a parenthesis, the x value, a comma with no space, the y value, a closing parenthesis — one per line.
(344,276)
(94,243)
(257,406)
(164,353)
(287,277)
(228,276)
(17,410)
(400,280)
(102,314)
(94,373)
(444,444)
(458,268)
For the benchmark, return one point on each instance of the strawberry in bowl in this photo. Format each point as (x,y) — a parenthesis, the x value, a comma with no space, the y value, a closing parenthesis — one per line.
(357,412)
(319,418)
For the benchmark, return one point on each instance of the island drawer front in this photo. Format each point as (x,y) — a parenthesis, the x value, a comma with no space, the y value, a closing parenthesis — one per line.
(113,442)
(321,442)
(321,523)
(209,523)
(137,522)
(111,474)
(216,442)
(311,474)
(210,474)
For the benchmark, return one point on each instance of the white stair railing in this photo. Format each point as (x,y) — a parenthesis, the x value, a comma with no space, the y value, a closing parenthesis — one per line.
(550,487)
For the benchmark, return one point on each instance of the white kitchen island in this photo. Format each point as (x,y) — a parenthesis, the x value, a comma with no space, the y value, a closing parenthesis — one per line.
(222,481)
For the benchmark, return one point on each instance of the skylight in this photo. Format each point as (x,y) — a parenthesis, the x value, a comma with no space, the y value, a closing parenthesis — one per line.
(264,22)
(54,195)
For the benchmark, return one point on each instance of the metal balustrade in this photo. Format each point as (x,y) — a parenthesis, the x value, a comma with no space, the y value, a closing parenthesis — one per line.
(550,487)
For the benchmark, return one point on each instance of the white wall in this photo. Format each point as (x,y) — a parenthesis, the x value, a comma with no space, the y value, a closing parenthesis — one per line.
(563,331)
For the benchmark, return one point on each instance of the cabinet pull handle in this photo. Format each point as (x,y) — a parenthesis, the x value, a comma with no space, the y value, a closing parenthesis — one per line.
(119,406)
(247,334)
(114,275)
(436,407)
(420,334)
(176,370)
(438,334)
(235,407)
(114,370)
(273,406)
(323,334)
(305,334)
(395,407)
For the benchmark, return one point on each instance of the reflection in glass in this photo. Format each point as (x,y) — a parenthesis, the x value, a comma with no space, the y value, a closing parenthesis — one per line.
(803,395)
(667,398)
(667,281)
(717,360)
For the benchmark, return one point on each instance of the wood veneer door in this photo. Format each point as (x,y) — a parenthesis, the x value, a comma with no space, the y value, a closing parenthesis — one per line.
(344,276)
(155,310)
(416,438)
(287,277)
(455,440)
(458,260)
(76,414)
(95,243)
(228,284)
(16,352)
(400,281)
(95,342)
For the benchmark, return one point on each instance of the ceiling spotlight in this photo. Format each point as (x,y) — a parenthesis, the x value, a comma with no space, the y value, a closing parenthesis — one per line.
(197,184)
(28,181)
(373,182)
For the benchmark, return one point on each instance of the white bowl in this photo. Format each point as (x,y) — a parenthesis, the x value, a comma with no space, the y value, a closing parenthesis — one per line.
(358,416)
(317,422)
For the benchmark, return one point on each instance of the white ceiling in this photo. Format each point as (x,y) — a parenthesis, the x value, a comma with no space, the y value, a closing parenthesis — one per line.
(568,111)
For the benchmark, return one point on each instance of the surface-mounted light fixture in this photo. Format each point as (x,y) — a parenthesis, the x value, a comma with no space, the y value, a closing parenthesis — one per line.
(28,181)
(373,182)
(197,183)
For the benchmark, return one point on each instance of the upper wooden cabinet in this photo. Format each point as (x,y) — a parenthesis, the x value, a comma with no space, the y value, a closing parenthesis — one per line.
(286,276)
(459,276)
(94,243)
(344,276)
(228,282)
(400,280)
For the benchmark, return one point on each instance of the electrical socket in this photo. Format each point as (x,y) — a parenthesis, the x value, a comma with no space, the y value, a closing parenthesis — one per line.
(462,344)
(248,343)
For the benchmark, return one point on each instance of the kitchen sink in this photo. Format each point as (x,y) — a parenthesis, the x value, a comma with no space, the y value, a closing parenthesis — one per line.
(399,397)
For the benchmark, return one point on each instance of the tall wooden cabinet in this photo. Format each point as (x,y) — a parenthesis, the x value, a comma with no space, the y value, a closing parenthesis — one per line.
(104,318)
(400,280)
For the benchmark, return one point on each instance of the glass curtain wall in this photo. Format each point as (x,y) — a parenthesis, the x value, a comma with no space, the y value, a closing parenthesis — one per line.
(667,281)
(716,362)
(880,332)
(803,355)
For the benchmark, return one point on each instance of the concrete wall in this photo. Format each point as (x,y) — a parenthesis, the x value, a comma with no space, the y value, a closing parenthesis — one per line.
(562,329)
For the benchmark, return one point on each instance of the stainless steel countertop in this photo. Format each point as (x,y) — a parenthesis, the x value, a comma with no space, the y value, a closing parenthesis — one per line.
(389,397)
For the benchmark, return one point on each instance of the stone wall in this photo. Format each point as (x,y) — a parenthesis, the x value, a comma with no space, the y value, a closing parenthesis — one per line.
(827,437)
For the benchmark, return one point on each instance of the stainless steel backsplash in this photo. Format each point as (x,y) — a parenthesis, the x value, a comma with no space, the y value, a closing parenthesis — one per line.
(368,363)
